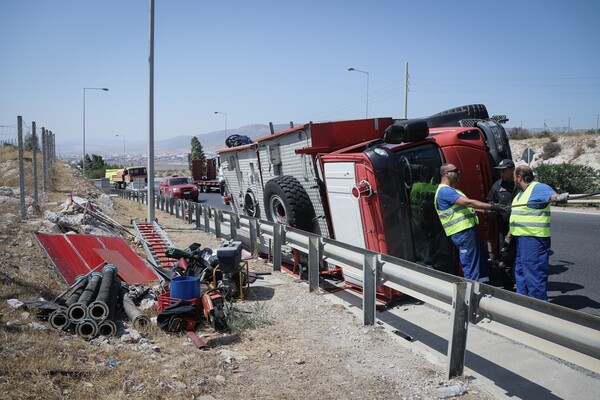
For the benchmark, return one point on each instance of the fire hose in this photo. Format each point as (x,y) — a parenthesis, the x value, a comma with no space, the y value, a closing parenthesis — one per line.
(577,197)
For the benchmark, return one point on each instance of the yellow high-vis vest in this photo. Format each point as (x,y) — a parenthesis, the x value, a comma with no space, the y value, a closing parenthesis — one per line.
(456,218)
(525,221)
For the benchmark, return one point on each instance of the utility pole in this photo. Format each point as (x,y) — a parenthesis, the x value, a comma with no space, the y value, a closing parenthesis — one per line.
(406,91)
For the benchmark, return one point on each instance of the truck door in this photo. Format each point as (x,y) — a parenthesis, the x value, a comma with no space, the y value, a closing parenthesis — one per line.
(340,178)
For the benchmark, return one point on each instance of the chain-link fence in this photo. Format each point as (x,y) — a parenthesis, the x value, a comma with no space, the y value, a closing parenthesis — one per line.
(27,154)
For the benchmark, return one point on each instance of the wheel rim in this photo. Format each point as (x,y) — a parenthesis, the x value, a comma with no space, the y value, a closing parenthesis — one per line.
(278,211)
(250,205)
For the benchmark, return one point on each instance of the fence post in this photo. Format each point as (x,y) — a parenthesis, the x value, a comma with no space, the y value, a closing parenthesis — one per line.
(34,139)
(44,161)
(371,264)
(21,168)
(314,260)
(457,344)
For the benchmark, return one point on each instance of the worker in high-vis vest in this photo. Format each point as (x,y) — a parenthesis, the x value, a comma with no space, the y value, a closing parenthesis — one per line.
(530,227)
(458,218)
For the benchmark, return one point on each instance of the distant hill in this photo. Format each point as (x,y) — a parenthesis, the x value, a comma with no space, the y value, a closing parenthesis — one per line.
(213,140)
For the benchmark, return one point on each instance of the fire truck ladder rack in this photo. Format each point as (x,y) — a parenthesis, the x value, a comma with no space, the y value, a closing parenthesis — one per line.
(155,242)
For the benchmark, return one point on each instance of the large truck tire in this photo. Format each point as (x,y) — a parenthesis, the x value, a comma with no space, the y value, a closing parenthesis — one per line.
(475,111)
(287,202)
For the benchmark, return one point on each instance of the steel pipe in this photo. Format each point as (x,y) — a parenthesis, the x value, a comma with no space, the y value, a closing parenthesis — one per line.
(98,309)
(107,328)
(87,329)
(78,312)
(59,319)
(137,318)
(80,284)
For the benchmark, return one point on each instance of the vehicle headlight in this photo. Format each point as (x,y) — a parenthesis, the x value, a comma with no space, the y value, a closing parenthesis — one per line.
(176,190)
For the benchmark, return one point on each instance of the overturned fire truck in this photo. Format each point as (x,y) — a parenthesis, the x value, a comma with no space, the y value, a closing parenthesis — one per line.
(370,183)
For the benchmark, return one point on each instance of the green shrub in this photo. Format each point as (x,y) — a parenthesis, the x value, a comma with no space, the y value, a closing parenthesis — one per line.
(567,177)
(551,149)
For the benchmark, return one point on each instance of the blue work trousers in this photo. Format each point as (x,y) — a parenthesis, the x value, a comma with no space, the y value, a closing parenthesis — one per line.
(531,266)
(472,256)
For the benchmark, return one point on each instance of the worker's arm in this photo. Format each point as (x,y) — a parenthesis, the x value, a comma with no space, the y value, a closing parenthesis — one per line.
(476,204)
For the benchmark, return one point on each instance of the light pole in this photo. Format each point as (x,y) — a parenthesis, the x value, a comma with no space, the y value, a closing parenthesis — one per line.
(124,157)
(225,114)
(84,89)
(366,73)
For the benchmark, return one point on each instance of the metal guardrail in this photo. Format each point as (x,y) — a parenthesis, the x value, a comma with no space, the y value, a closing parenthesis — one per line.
(588,200)
(467,301)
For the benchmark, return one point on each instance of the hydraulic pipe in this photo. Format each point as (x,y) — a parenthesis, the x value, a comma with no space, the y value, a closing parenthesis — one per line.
(87,329)
(137,318)
(108,327)
(59,319)
(80,284)
(78,312)
(98,309)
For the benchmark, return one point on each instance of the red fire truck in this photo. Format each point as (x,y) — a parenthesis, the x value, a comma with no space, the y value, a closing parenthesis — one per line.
(370,183)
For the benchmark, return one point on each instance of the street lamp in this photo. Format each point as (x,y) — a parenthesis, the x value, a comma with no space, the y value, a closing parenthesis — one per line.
(124,157)
(225,114)
(84,89)
(364,72)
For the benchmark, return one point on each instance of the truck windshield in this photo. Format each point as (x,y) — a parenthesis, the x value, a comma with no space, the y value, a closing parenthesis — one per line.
(179,181)
(137,171)
(406,187)
(420,170)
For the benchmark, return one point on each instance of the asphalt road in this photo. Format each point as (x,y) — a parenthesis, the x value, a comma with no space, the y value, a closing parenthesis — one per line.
(574,280)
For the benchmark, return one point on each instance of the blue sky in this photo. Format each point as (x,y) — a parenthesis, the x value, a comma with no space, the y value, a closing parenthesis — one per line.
(279,61)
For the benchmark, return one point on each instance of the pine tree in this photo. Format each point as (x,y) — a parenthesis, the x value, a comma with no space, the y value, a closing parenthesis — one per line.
(197,153)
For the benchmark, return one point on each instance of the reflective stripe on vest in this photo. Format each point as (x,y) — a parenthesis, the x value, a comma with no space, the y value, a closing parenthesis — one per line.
(456,218)
(525,221)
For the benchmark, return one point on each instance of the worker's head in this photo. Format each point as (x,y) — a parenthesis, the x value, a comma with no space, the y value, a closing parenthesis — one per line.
(507,169)
(523,176)
(449,173)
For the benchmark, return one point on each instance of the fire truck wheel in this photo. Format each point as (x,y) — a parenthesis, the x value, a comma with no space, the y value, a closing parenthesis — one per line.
(204,189)
(251,204)
(475,111)
(287,202)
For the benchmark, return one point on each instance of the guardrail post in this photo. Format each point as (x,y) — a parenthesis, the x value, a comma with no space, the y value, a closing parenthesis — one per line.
(191,206)
(234,223)
(314,260)
(198,214)
(278,241)
(206,212)
(253,236)
(371,264)
(218,219)
(457,344)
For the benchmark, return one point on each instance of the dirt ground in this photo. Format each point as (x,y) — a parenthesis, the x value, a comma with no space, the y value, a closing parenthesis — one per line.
(294,344)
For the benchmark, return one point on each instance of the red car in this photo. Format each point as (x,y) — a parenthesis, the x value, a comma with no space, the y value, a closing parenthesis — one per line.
(179,187)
